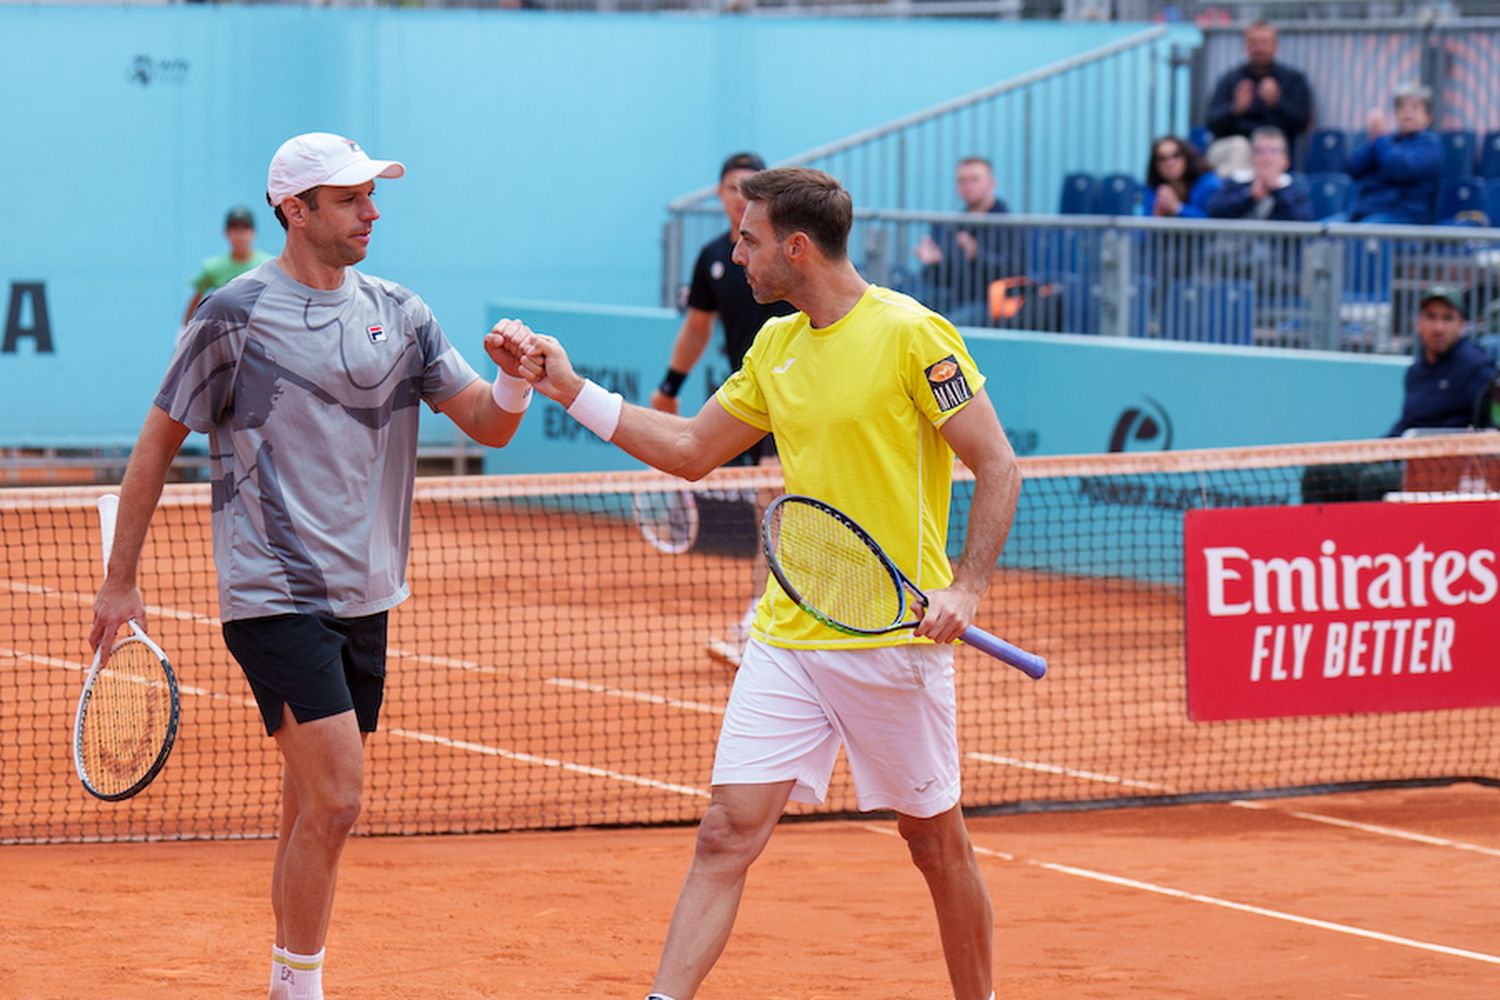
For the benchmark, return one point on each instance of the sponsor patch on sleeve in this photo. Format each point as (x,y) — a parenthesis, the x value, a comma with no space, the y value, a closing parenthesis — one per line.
(949,387)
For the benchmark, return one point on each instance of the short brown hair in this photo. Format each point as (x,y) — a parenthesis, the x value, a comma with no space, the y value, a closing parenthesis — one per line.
(800,199)
(310,197)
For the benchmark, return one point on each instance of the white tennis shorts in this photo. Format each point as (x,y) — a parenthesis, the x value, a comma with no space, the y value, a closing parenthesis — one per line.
(892,708)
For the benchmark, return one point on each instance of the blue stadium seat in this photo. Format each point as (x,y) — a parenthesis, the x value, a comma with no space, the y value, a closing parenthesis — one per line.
(1489,156)
(1080,195)
(1458,153)
(1204,312)
(1331,194)
(1118,195)
(1327,149)
(1459,194)
(1492,201)
(1200,137)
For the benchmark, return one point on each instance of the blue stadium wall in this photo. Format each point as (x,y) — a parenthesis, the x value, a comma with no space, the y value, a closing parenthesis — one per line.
(542,149)
(1057,394)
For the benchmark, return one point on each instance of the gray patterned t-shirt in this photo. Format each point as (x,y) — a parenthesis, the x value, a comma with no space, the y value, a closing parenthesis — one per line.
(309,398)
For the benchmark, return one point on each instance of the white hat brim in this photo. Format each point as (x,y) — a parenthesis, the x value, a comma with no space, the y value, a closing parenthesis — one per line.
(363,171)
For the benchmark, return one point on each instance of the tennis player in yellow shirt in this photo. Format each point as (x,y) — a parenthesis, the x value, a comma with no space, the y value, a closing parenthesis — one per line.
(870,395)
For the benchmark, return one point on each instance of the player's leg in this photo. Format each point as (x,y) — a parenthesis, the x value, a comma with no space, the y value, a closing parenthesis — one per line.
(941,850)
(325,761)
(776,743)
(896,709)
(734,830)
(318,682)
(278,878)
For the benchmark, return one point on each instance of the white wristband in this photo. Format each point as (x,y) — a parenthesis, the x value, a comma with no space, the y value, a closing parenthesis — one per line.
(511,394)
(597,409)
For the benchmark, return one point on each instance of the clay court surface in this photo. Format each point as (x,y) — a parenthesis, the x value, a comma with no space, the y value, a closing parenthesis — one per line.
(832,910)
(573,700)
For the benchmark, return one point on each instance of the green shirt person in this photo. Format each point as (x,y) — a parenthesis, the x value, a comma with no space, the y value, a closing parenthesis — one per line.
(239,230)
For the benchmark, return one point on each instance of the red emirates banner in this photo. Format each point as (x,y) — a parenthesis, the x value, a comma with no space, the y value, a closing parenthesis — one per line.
(1349,607)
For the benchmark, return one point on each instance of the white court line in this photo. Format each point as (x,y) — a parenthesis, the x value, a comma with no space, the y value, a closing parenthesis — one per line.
(73,597)
(420,737)
(563,765)
(1382,831)
(471,666)
(83,668)
(644,696)
(1370,828)
(448,661)
(1227,904)
(1068,772)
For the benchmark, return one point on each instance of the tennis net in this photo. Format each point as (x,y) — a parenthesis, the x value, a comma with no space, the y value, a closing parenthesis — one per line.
(553,668)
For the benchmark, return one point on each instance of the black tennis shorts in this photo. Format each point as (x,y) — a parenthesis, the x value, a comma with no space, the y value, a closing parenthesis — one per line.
(317,664)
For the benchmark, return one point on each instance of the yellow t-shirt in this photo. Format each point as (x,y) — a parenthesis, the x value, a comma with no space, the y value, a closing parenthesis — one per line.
(856,408)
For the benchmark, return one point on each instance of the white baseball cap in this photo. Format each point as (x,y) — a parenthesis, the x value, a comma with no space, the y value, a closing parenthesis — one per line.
(314,158)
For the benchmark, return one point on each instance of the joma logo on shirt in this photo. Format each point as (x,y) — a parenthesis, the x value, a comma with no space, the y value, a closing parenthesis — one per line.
(949,387)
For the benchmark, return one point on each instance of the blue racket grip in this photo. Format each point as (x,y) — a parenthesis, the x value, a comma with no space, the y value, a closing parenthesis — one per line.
(1030,664)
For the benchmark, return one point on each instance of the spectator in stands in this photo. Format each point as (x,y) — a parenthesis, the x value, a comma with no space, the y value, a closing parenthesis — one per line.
(1447,385)
(1178,181)
(1267,192)
(1398,172)
(239,230)
(1228,156)
(959,262)
(1450,372)
(1260,92)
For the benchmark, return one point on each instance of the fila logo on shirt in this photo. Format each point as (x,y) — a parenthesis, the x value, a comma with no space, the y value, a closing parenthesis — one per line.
(377,333)
(949,387)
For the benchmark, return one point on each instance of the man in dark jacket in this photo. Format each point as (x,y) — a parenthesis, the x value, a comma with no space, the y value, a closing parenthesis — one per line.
(1260,92)
(1446,385)
(1450,371)
(1267,192)
(1398,172)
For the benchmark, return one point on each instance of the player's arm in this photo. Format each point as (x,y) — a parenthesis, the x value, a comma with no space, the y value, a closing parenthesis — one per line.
(681,446)
(692,341)
(119,600)
(977,438)
(482,410)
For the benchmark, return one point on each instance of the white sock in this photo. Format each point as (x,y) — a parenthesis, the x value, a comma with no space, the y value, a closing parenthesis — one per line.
(277,954)
(301,976)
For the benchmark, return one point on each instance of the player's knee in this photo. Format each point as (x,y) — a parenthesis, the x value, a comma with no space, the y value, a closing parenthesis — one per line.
(934,848)
(722,841)
(335,815)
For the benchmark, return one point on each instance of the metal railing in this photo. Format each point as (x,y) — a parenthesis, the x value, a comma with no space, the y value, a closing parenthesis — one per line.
(1133,88)
(1339,287)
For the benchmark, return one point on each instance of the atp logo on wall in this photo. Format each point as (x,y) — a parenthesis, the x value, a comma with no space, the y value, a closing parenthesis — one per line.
(145,70)
(1142,428)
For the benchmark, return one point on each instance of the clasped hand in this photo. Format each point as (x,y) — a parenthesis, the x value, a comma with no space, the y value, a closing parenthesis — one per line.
(523,353)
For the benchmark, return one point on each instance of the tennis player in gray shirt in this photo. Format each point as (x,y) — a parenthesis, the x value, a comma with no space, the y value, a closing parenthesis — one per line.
(306,375)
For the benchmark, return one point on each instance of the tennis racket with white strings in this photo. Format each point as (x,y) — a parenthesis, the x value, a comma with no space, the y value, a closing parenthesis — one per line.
(837,573)
(128,712)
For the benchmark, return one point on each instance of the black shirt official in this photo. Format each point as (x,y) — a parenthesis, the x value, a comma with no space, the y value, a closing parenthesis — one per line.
(719,286)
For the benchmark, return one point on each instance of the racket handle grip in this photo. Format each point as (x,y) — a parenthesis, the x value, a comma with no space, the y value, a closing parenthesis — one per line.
(1030,664)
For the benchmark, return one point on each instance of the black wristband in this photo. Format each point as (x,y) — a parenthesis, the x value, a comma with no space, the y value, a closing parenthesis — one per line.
(671,384)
